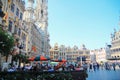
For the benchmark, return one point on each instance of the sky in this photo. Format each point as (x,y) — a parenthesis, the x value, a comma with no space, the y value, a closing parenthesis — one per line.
(77,22)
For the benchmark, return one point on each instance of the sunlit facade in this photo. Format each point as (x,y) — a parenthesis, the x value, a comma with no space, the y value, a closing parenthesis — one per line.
(13,23)
(115,48)
(54,51)
(100,55)
(37,19)
(71,54)
(27,25)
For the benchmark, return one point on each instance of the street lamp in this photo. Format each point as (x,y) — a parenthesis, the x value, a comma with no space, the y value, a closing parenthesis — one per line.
(21,47)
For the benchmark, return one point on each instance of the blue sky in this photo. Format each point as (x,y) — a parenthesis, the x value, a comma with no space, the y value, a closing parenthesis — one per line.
(77,22)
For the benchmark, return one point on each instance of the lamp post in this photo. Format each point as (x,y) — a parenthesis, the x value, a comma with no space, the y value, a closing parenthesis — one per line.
(115,59)
(4,27)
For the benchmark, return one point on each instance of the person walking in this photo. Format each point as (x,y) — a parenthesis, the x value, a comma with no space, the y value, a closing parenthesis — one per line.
(114,66)
(90,67)
(97,66)
(94,66)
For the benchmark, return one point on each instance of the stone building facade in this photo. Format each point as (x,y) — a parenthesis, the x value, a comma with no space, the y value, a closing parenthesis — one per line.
(13,23)
(28,28)
(70,54)
(100,55)
(115,48)
(37,20)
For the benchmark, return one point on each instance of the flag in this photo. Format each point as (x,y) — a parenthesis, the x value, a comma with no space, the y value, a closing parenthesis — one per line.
(6,16)
(34,48)
(9,2)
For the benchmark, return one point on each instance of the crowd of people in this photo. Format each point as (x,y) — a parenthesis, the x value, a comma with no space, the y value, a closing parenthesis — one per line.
(91,67)
(103,66)
(61,66)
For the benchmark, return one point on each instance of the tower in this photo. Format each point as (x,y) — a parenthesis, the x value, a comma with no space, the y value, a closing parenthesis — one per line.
(41,14)
(41,18)
(28,14)
(38,10)
(119,20)
(45,15)
(28,19)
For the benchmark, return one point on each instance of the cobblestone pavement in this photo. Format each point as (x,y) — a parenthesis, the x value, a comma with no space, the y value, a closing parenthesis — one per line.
(104,75)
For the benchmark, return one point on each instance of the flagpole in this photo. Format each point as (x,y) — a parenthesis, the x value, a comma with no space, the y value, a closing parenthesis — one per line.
(81,60)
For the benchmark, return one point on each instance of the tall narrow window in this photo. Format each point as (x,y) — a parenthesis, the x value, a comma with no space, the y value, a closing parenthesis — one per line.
(17,12)
(23,37)
(19,32)
(41,13)
(10,26)
(21,15)
(15,30)
(12,7)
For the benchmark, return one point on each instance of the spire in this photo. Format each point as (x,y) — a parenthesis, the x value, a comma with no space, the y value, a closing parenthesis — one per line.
(114,30)
(30,4)
(41,16)
(111,35)
(119,21)
(83,47)
(38,4)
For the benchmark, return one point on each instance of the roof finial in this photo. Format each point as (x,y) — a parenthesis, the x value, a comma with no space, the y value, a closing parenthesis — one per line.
(111,35)
(119,20)
(114,30)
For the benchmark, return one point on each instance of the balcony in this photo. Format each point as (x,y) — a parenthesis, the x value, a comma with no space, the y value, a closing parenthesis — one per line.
(113,58)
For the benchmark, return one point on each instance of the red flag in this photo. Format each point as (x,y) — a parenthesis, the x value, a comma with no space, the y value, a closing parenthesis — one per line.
(34,48)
